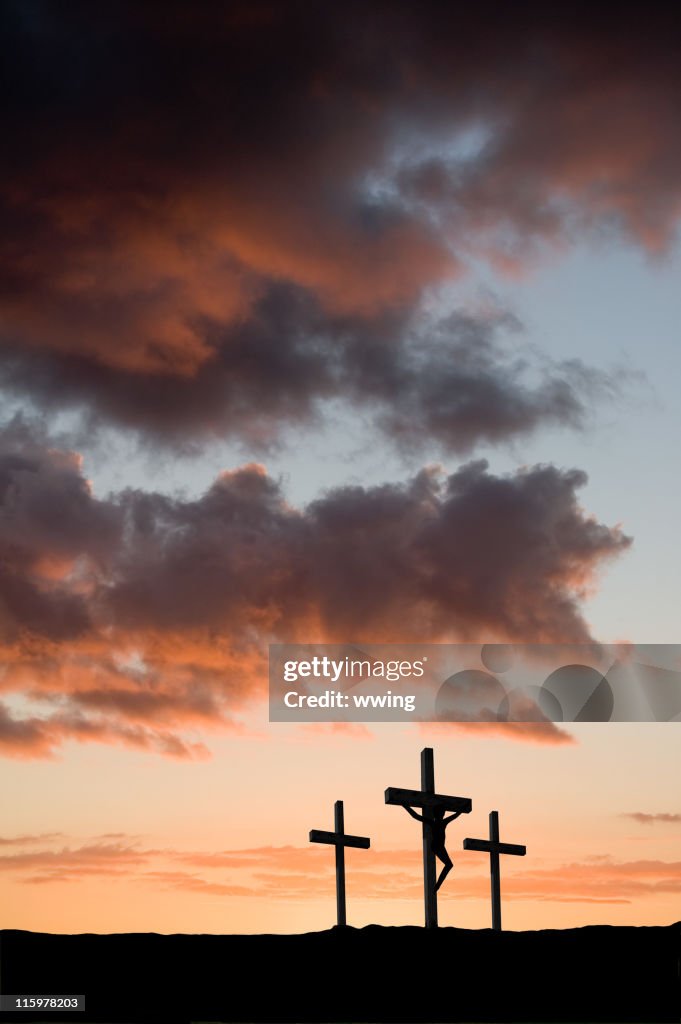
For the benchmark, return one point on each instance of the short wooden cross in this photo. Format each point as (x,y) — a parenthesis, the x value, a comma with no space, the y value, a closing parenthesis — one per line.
(494,848)
(340,840)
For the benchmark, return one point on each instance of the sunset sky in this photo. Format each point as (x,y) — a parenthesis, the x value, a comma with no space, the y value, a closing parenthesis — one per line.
(353,322)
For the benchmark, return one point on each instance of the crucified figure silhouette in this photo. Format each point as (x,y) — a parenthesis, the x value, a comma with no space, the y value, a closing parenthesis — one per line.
(435,819)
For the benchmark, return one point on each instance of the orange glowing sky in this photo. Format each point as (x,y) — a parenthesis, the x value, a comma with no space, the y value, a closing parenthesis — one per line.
(353,323)
(111,841)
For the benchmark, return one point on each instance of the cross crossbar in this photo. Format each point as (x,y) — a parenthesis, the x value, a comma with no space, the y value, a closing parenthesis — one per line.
(417,798)
(486,846)
(334,839)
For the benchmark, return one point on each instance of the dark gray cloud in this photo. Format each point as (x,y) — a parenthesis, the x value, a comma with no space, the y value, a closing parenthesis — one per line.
(178,597)
(453,383)
(219,218)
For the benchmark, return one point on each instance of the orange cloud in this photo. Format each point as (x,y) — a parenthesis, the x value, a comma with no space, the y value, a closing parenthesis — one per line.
(290,872)
(157,631)
(524,732)
(44,837)
(279,256)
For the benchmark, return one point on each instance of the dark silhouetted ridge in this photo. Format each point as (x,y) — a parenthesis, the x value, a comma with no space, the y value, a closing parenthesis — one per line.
(402,975)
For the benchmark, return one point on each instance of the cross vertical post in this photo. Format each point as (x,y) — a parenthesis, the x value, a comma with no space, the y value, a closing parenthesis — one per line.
(433,805)
(340,840)
(429,893)
(340,863)
(495,873)
(495,848)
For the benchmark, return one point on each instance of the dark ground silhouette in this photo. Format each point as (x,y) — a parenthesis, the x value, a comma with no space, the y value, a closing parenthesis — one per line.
(369,974)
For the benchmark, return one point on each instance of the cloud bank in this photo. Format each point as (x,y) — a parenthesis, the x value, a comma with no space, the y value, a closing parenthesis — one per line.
(306,873)
(213,228)
(141,616)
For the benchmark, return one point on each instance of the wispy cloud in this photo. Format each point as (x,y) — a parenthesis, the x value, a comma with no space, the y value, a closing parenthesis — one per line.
(653,819)
(25,840)
(307,872)
(543,733)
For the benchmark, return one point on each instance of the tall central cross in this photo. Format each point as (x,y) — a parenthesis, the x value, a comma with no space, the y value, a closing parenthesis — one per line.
(340,840)
(494,848)
(431,802)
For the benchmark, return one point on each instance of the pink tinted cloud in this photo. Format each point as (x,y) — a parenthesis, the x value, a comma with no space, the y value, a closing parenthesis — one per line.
(277,258)
(542,733)
(644,818)
(154,633)
(306,872)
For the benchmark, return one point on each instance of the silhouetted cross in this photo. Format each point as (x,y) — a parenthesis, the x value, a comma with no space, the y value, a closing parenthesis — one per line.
(495,848)
(340,840)
(434,823)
